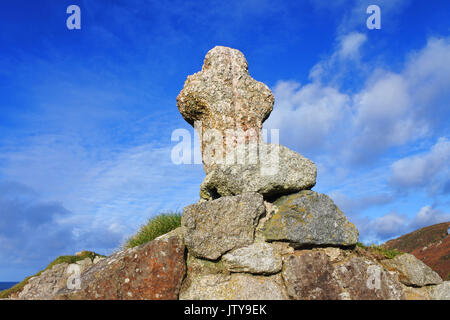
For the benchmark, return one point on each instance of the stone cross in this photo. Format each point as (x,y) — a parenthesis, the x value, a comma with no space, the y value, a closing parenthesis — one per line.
(223,99)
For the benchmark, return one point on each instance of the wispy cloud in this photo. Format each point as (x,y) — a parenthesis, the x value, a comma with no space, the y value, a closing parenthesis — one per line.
(427,170)
(395,224)
(100,201)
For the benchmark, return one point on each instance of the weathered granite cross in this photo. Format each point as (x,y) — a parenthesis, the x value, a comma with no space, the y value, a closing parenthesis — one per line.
(223,97)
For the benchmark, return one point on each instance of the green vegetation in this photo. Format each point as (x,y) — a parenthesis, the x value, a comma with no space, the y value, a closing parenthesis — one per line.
(72,259)
(387,253)
(62,259)
(154,228)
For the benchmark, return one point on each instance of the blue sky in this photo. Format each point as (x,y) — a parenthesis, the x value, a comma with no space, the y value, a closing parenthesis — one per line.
(87,115)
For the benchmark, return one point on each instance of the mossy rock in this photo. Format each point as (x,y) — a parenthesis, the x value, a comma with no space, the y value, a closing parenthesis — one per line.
(308,218)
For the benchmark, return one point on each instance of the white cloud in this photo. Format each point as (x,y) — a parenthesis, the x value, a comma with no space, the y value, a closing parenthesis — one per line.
(308,113)
(352,206)
(395,224)
(350,45)
(391,109)
(386,114)
(427,169)
(428,216)
(386,98)
(389,225)
(428,74)
(346,53)
(396,108)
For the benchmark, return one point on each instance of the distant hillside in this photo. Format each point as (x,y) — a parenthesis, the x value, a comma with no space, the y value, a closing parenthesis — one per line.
(430,244)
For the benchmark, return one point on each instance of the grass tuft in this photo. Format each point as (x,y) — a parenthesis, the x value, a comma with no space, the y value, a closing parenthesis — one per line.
(154,228)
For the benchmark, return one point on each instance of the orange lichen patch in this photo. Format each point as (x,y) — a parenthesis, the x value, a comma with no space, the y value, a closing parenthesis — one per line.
(153,271)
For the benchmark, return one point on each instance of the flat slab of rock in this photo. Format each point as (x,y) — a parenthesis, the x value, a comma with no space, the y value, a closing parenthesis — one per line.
(364,279)
(152,271)
(307,219)
(212,228)
(274,171)
(235,287)
(49,282)
(415,293)
(310,275)
(440,291)
(412,271)
(257,258)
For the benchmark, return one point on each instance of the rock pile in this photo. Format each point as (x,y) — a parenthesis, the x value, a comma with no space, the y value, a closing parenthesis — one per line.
(251,215)
(258,230)
(224,98)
